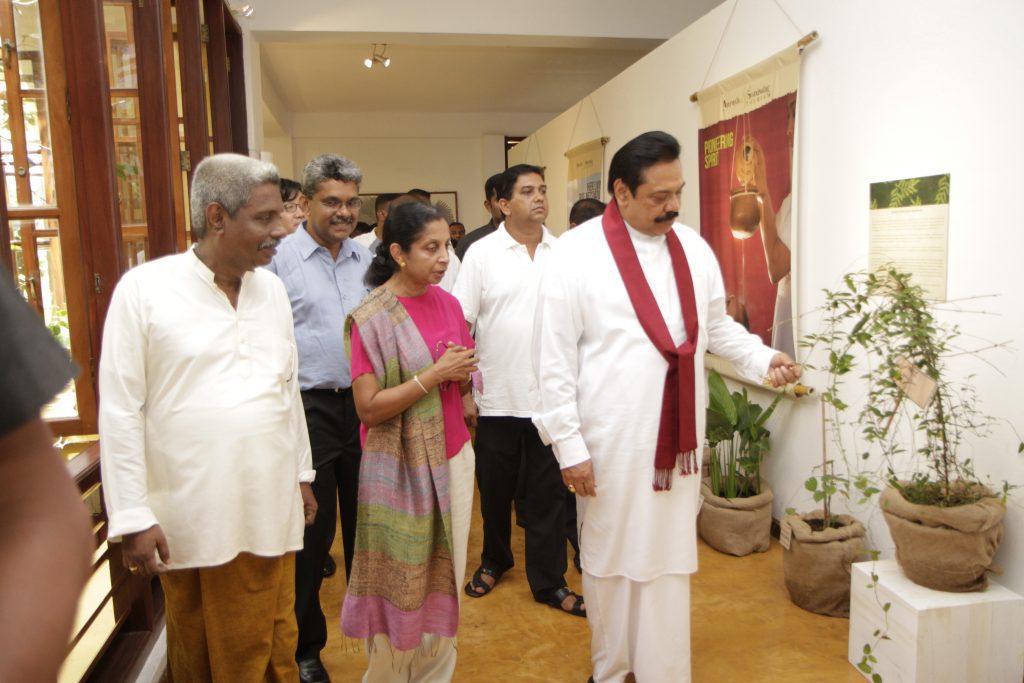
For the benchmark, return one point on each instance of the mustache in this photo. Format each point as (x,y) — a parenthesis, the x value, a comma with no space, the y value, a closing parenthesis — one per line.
(269,243)
(338,220)
(667,216)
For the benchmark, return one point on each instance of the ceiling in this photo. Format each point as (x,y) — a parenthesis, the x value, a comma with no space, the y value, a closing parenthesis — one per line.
(441,78)
(532,71)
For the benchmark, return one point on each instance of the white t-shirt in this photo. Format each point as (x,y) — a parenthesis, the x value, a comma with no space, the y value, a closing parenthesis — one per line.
(497,288)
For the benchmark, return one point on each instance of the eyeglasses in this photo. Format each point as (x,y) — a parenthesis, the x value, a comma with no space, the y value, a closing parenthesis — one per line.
(292,207)
(333,203)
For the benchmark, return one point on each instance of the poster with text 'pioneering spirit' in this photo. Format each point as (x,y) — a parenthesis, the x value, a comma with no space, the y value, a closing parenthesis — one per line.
(747,192)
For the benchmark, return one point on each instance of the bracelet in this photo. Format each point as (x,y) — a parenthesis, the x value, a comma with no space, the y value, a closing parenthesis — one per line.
(420,384)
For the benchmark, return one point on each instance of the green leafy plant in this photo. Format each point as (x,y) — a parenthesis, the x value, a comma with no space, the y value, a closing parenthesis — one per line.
(882,322)
(737,438)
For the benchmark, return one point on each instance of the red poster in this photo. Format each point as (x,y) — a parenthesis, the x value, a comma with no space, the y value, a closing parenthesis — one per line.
(745,189)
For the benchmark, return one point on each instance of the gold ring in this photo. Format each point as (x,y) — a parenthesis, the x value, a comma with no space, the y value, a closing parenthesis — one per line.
(134,569)
(572,489)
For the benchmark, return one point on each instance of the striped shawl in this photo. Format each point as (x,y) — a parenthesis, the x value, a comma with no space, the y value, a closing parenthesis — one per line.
(403,581)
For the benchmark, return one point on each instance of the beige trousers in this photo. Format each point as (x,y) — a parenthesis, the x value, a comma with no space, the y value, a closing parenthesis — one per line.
(641,627)
(233,623)
(434,660)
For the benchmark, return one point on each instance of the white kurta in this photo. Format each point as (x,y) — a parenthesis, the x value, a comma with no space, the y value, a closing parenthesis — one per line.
(201,424)
(601,383)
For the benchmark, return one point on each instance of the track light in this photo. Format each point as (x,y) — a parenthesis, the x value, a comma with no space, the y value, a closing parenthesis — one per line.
(378,57)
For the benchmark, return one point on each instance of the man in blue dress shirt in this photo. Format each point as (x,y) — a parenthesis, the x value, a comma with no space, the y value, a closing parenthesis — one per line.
(323,271)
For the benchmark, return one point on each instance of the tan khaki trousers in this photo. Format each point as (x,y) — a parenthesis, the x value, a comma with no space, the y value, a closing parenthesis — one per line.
(234,622)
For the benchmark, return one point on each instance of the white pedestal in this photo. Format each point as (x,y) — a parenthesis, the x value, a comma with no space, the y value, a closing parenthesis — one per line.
(934,636)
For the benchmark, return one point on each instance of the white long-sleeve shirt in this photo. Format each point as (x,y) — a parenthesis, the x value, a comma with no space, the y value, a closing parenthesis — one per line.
(200,419)
(601,382)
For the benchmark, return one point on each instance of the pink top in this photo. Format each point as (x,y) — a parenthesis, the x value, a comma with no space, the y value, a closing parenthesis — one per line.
(438,317)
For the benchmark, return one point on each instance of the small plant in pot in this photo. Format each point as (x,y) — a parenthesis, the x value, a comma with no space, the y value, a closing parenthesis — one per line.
(820,546)
(945,523)
(736,516)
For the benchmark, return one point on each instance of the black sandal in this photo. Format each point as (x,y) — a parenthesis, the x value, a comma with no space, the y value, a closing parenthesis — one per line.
(478,583)
(558,597)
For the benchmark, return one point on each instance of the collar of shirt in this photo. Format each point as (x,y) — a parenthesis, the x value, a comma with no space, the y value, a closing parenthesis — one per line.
(501,235)
(307,246)
(207,275)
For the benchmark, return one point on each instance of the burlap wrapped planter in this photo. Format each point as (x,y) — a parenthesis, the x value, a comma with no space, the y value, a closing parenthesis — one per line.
(948,549)
(737,526)
(817,565)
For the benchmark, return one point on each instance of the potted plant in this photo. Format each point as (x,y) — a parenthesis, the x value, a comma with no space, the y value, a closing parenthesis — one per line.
(945,523)
(820,546)
(736,516)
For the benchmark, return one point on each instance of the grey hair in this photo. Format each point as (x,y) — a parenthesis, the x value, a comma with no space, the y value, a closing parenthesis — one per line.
(228,180)
(329,167)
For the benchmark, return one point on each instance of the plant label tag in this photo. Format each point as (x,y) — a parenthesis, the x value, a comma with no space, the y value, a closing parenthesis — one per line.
(919,387)
(785,535)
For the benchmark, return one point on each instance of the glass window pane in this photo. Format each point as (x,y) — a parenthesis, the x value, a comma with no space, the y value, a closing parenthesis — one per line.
(124,106)
(40,275)
(25,147)
(30,45)
(41,179)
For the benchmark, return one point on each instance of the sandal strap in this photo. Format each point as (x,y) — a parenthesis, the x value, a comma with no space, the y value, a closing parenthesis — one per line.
(495,574)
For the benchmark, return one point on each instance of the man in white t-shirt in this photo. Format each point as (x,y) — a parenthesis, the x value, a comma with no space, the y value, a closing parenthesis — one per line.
(497,288)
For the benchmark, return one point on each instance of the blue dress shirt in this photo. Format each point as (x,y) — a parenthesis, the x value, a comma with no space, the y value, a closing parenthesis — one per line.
(322,293)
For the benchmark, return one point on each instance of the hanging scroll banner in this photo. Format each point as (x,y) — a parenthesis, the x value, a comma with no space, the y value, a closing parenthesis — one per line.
(586,171)
(748,192)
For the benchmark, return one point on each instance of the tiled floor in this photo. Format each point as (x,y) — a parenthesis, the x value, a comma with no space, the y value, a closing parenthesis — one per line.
(745,629)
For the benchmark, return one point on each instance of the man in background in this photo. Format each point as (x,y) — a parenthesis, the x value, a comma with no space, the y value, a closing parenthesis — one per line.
(204,454)
(456,231)
(492,207)
(45,540)
(497,289)
(583,210)
(381,206)
(322,270)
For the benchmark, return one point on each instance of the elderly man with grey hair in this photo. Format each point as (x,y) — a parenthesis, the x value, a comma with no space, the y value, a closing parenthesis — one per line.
(206,462)
(323,271)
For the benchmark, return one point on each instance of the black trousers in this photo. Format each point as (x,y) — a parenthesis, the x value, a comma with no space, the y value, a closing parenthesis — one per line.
(509,450)
(334,436)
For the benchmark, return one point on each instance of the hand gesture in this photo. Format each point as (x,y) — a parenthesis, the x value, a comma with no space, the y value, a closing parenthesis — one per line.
(457,364)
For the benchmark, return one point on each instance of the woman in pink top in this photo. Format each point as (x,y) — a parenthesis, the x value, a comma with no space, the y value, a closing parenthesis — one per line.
(412,359)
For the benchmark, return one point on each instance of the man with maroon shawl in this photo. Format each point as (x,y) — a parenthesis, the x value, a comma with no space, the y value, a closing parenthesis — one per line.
(628,306)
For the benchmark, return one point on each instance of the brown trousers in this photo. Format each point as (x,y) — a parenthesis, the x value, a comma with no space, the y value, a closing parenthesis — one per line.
(234,622)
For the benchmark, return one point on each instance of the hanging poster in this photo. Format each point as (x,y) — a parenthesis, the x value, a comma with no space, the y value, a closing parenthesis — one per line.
(748,186)
(586,171)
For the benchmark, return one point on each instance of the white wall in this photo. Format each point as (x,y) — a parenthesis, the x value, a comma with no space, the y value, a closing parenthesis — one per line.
(890,90)
(280,150)
(399,151)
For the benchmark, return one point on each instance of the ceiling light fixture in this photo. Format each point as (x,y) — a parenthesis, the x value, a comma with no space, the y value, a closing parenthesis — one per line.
(241,10)
(378,57)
